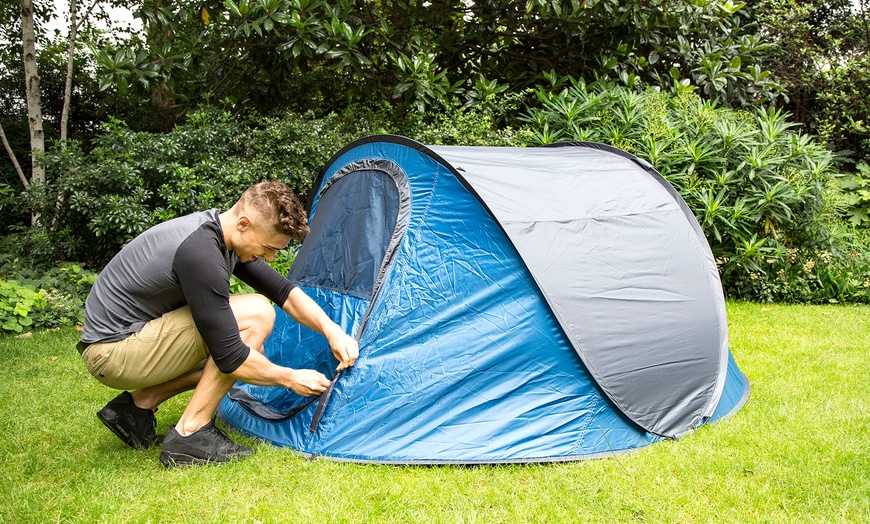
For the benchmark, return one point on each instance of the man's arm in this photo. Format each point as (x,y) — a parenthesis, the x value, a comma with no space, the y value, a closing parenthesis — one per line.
(300,307)
(260,371)
(306,311)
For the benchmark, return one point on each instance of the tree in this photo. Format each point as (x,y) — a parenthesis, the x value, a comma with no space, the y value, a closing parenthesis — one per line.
(75,24)
(821,53)
(326,54)
(31,81)
(13,158)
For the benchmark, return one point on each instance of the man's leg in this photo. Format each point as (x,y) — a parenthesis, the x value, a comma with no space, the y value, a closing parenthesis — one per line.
(255,317)
(133,420)
(164,347)
(153,396)
(161,360)
(195,439)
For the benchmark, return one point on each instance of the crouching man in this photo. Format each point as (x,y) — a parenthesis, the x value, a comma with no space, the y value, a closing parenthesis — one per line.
(160,321)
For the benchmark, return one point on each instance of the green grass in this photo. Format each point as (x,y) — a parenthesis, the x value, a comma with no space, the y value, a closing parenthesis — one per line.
(799,451)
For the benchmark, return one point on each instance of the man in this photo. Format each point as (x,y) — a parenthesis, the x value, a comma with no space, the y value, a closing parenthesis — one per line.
(160,321)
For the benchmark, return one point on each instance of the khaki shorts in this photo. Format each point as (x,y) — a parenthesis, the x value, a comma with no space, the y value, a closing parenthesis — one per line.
(165,348)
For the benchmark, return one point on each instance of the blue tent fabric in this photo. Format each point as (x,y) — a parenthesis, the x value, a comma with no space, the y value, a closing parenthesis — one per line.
(463,355)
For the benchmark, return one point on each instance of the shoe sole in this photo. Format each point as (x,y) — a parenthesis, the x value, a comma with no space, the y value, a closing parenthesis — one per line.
(169,459)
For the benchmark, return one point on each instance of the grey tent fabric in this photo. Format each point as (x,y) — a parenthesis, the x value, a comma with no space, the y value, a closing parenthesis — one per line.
(581,221)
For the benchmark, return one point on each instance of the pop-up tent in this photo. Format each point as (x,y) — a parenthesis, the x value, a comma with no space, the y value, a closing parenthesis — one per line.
(511,305)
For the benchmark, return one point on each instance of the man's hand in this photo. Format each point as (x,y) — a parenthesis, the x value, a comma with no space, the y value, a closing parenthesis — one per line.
(307,382)
(345,349)
(302,309)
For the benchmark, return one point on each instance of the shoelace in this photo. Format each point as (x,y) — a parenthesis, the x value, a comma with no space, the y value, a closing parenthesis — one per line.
(221,435)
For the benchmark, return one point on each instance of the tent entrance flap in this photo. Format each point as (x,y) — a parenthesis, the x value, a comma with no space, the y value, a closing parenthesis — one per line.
(356,227)
(353,227)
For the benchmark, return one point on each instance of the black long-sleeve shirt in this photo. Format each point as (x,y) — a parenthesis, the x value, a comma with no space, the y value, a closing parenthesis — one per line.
(181,261)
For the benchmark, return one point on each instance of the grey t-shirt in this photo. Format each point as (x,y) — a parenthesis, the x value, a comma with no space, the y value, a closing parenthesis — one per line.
(183,261)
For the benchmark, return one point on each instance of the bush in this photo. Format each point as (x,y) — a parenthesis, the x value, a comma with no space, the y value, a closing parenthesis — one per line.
(36,300)
(856,189)
(16,304)
(96,201)
(766,196)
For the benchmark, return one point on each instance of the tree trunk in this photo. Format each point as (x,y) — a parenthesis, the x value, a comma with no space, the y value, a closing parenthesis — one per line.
(31,80)
(14,159)
(67,91)
(74,24)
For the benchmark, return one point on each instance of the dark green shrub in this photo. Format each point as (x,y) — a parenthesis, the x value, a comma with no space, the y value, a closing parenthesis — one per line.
(856,189)
(32,299)
(294,147)
(96,201)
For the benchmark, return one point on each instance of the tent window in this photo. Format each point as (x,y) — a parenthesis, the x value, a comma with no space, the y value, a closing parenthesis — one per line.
(351,232)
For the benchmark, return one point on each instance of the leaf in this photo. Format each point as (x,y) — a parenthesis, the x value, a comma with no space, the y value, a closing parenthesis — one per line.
(105,82)
(233,7)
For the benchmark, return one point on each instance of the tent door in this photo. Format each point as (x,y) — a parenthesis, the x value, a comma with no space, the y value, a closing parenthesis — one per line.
(357,224)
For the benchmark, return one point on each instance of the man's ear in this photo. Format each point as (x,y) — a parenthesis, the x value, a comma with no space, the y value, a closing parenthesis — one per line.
(243,223)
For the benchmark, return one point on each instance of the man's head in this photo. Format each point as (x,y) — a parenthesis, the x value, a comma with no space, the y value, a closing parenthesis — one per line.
(263,221)
(277,206)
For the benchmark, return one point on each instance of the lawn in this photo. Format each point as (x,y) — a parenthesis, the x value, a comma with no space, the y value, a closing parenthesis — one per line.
(799,451)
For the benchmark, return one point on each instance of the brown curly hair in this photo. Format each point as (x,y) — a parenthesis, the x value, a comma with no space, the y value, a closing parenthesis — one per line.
(278,205)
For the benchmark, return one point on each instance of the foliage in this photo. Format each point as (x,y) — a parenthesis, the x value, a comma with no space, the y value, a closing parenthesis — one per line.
(89,106)
(94,202)
(294,147)
(856,188)
(842,109)
(765,195)
(46,299)
(820,53)
(325,55)
(816,276)
(16,304)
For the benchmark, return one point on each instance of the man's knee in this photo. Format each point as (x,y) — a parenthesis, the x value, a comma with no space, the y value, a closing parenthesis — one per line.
(265,312)
(253,311)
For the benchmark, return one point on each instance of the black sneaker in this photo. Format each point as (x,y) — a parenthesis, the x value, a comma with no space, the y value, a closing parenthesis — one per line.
(132,424)
(207,445)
